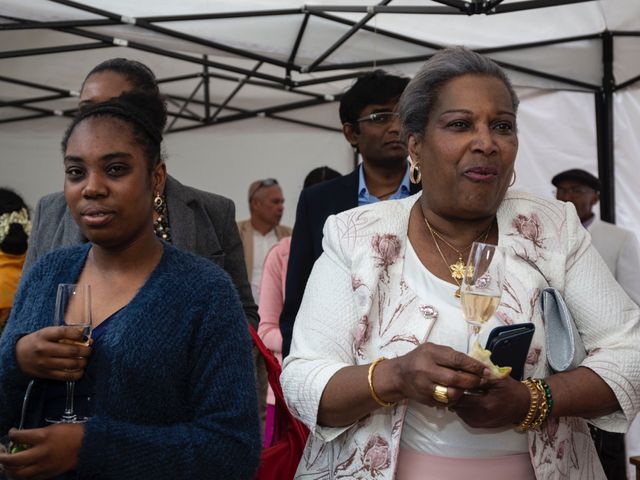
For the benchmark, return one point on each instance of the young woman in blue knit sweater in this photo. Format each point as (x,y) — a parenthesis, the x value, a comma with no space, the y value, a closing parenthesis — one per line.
(168,382)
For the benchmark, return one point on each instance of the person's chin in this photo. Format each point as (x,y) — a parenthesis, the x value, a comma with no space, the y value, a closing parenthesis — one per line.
(104,235)
(482,201)
(394,160)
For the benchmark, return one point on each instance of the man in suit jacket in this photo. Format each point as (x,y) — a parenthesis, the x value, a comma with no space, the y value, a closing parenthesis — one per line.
(259,233)
(371,125)
(263,230)
(200,222)
(617,246)
(619,249)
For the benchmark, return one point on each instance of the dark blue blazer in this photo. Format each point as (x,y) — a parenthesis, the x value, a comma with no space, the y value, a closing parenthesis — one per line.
(315,205)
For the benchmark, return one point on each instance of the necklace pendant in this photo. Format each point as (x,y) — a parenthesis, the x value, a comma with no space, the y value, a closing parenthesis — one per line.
(457,269)
(457,294)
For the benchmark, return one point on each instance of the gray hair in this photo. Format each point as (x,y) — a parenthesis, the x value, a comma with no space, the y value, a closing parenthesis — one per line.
(417,101)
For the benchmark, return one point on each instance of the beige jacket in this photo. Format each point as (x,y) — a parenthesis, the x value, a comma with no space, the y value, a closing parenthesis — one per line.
(246,235)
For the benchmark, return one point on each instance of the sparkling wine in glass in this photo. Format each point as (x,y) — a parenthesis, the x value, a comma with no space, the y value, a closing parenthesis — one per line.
(73,310)
(481,286)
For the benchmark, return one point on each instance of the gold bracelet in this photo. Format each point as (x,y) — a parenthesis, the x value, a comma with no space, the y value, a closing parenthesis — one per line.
(543,409)
(378,400)
(526,424)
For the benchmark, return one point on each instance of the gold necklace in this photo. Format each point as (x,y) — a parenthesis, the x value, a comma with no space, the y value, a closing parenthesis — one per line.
(457,268)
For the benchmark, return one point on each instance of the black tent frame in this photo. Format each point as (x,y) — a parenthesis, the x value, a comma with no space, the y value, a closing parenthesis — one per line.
(225,111)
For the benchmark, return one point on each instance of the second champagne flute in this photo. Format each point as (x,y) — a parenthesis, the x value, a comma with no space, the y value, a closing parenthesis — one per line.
(73,310)
(481,286)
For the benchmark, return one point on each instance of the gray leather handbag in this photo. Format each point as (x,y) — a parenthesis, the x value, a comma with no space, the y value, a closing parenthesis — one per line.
(565,350)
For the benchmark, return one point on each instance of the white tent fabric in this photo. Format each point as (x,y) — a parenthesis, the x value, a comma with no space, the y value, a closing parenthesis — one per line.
(275,35)
(557,120)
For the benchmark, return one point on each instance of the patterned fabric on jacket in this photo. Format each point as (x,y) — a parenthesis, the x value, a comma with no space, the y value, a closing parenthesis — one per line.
(356,291)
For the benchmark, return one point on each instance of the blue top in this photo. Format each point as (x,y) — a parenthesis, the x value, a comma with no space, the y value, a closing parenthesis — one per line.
(175,392)
(365,198)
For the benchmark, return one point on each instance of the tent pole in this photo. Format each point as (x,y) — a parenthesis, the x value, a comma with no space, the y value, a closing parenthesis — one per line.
(263,112)
(38,86)
(26,101)
(185,105)
(343,39)
(296,44)
(207,94)
(233,93)
(604,131)
(49,50)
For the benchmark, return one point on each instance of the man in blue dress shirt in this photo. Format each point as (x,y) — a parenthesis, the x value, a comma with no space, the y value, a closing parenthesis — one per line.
(371,125)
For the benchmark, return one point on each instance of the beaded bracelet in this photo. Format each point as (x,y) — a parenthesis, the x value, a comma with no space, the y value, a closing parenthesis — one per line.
(547,394)
(374,395)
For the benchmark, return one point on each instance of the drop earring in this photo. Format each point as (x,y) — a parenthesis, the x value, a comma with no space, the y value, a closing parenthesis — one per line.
(161,224)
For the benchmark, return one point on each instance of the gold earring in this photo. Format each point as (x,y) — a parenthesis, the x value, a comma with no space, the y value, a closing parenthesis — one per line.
(415,175)
(514,179)
(158,201)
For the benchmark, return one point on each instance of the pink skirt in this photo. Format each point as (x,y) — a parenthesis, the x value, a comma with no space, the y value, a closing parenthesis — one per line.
(414,465)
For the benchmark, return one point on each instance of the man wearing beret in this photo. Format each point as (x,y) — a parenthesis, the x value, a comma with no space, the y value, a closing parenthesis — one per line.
(617,246)
(619,249)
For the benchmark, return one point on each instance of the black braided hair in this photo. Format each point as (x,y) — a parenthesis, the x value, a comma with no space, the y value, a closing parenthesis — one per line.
(145,113)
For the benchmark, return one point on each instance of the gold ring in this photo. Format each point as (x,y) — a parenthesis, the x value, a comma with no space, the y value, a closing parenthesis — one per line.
(440,394)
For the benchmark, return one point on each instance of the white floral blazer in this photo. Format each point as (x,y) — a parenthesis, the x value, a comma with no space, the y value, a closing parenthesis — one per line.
(356,292)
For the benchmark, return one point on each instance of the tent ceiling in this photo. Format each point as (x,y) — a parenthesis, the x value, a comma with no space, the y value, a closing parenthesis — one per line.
(226,60)
(275,57)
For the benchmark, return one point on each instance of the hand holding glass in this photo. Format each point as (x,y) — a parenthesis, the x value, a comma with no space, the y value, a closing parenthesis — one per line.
(73,310)
(481,286)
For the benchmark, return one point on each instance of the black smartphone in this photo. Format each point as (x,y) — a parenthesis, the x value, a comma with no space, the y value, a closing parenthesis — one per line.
(509,346)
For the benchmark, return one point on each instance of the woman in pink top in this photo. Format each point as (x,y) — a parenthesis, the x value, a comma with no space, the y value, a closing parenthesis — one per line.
(274,276)
(271,300)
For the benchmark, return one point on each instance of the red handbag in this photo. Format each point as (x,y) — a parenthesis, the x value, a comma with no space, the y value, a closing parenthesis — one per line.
(280,460)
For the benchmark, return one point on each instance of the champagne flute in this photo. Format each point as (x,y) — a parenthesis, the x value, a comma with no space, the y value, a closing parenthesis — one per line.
(73,310)
(481,286)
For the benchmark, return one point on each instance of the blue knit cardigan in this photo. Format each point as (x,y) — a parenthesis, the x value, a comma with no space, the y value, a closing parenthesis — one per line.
(175,394)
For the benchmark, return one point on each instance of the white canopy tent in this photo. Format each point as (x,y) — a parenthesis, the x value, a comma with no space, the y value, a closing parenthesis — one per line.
(230,68)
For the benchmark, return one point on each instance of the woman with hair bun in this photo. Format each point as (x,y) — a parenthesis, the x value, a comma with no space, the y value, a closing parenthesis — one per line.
(167,382)
(15,227)
(193,220)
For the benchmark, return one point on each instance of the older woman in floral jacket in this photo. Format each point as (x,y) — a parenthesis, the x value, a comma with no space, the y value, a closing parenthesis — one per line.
(378,342)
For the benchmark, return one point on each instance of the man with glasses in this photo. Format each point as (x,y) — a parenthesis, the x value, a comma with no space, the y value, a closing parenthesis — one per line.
(371,126)
(619,249)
